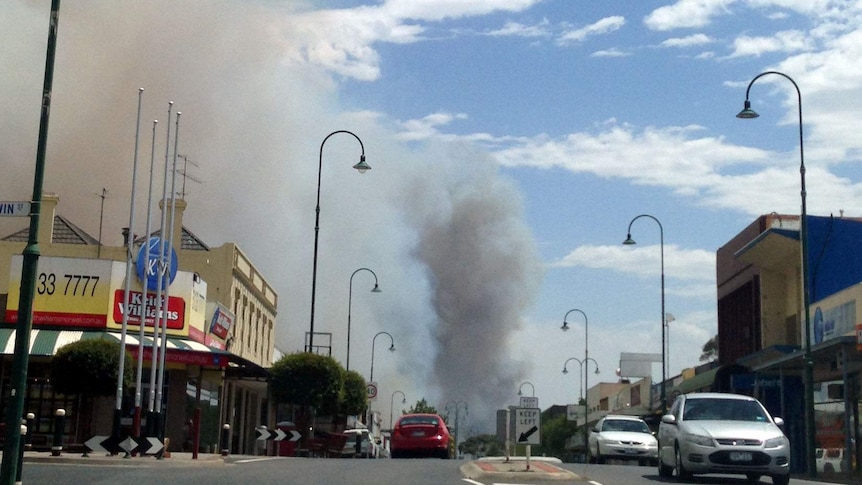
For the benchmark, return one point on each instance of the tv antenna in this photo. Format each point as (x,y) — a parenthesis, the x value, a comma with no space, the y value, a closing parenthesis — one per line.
(185,173)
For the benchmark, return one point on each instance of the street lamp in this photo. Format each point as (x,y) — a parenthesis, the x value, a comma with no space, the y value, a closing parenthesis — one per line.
(376,289)
(362,167)
(457,406)
(373,341)
(748,113)
(583,367)
(586,340)
(531,387)
(630,241)
(392,404)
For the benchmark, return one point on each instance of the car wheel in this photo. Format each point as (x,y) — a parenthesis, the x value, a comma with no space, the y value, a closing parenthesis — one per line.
(752,477)
(664,470)
(681,472)
(781,479)
(828,468)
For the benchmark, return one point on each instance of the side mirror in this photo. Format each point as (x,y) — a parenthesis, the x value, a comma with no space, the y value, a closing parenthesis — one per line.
(595,429)
(778,421)
(668,419)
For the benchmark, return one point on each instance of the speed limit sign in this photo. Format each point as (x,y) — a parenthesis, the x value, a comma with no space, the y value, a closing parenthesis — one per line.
(371,389)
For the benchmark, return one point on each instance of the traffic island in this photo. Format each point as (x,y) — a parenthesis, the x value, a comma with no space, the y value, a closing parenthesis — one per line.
(515,469)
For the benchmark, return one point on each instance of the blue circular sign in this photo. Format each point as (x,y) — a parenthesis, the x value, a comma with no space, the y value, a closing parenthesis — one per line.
(148,263)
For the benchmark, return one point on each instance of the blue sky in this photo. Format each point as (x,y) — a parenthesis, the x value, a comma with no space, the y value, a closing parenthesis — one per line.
(512,142)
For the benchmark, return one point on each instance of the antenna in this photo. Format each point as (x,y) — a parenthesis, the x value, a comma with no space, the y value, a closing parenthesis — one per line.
(102,196)
(185,173)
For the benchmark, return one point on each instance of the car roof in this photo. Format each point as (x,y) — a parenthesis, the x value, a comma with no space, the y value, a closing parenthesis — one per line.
(623,416)
(718,395)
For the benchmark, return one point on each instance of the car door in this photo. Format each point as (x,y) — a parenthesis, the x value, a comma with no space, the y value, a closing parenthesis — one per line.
(667,433)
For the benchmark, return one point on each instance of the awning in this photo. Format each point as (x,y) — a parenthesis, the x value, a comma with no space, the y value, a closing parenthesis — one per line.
(179,350)
(697,382)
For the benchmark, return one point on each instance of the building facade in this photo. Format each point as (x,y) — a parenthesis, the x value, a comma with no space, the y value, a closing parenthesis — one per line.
(220,319)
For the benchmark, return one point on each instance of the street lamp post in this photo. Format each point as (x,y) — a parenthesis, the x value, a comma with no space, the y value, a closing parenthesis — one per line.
(586,341)
(392,404)
(376,289)
(362,167)
(630,241)
(748,113)
(532,387)
(457,406)
(583,369)
(18,379)
(373,341)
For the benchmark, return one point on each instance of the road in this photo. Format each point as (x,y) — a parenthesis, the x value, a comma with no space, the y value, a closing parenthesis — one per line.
(304,471)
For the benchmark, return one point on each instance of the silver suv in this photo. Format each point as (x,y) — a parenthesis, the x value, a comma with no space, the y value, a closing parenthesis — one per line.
(722,433)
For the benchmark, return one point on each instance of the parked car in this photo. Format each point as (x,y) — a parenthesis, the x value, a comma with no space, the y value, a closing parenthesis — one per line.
(421,435)
(722,433)
(368,447)
(623,438)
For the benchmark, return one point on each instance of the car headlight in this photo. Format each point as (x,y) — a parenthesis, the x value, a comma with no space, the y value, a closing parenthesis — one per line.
(700,440)
(774,442)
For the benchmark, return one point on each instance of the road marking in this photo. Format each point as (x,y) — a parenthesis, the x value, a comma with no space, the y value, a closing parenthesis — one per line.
(252,460)
(474,482)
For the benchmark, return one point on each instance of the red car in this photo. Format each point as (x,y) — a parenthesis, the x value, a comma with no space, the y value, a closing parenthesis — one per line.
(421,435)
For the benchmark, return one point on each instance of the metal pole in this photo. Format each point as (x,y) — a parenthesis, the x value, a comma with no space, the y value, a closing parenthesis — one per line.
(376,289)
(18,378)
(810,431)
(362,167)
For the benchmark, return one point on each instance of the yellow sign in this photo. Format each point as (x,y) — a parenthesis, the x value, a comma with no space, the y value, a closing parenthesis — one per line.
(68,291)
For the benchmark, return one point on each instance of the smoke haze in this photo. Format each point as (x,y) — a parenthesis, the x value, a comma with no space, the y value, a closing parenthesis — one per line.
(442,230)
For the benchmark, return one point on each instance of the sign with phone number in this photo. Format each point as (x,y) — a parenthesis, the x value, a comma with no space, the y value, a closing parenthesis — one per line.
(68,291)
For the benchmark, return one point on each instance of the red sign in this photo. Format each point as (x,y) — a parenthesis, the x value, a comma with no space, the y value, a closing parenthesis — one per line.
(182,356)
(176,309)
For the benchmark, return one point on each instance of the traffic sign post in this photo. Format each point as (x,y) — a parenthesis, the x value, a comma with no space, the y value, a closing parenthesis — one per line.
(528,428)
(371,389)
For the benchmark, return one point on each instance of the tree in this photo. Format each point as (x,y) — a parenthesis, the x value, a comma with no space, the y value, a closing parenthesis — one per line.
(354,395)
(89,368)
(308,379)
(481,445)
(422,406)
(555,431)
(710,350)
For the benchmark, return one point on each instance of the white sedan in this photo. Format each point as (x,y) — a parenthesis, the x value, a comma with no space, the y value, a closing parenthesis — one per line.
(623,438)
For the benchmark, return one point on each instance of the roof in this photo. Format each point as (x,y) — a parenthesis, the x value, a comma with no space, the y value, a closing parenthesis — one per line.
(64,232)
(189,241)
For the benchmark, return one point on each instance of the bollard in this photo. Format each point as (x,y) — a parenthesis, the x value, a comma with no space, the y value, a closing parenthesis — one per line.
(21,451)
(31,421)
(225,440)
(59,426)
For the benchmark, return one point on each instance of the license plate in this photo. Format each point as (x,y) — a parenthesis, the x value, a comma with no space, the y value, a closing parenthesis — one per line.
(630,451)
(418,433)
(740,456)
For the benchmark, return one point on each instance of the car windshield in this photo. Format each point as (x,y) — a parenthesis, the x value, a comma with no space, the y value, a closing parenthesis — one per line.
(625,425)
(723,410)
(411,420)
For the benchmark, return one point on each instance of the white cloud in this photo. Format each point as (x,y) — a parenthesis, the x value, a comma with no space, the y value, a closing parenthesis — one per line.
(603,26)
(686,14)
(515,29)
(640,260)
(435,10)
(610,53)
(784,41)
(691,40)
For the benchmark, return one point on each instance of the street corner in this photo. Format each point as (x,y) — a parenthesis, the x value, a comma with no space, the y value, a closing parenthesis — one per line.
(516,470)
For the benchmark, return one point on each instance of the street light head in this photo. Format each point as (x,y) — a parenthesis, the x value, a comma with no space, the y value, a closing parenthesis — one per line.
(597,370)
(565,371)
(362,166)
(747,112)
(376,289)
(629,241)
(565,326)
(519,392)
(392,348)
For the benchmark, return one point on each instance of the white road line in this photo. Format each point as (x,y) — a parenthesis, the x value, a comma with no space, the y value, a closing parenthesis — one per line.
(252,460)
(474,482)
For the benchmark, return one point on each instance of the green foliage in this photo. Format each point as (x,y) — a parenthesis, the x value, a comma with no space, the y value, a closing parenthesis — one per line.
(308,379)
(710,350)
(89,367)
(422,406)
(482,445)
(555,431)
(354,395)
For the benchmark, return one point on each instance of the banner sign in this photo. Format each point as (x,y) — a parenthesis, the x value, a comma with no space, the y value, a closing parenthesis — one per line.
(176,309)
